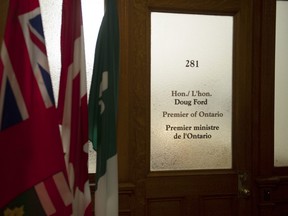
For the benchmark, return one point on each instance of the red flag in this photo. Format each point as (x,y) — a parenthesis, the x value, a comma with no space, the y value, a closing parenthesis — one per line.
(31,161)
(73,108)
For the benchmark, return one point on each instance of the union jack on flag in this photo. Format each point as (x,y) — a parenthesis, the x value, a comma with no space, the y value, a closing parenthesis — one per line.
(31,24)
(14,109)
(32,167)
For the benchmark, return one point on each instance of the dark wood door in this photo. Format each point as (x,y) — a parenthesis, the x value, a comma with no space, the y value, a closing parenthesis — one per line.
(190,192)
(271,181)
(3,11)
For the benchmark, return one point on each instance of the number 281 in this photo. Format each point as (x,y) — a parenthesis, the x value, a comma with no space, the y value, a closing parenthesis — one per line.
(192,63)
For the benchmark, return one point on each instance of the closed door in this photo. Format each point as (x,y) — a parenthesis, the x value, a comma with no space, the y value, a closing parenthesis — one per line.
(190,97)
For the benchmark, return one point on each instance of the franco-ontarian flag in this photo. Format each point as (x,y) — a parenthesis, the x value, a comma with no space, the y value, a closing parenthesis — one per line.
(33,173)
(72,106)
(102,109)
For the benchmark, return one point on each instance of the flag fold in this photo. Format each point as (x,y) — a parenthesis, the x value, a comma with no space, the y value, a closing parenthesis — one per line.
(31,162)
(72,106)
(102,109)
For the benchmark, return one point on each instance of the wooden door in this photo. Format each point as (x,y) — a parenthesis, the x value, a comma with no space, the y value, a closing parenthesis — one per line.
(271,181)
(3,12)
(203,192)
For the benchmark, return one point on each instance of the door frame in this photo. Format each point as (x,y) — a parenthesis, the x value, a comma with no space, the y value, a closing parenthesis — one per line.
(139,92)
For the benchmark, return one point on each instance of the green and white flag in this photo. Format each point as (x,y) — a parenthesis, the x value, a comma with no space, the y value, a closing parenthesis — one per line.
(103,102)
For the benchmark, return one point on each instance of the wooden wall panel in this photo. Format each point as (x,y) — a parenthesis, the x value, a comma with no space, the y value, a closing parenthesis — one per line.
(3,12)
(224,205)
(126,199)
(273,196)
(165,206)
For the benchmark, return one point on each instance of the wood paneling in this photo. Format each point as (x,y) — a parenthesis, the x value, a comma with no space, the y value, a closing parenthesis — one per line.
(273,196)
(3,12)
(224,205)
(126,199)
(165,206)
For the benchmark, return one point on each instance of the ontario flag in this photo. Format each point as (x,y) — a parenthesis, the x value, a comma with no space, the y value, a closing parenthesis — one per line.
(33,173)
(103,106)
(72,106)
